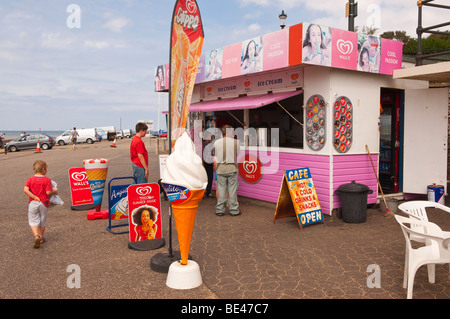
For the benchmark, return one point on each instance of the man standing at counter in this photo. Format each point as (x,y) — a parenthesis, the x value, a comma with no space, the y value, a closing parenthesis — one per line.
(227,150)
(139,154)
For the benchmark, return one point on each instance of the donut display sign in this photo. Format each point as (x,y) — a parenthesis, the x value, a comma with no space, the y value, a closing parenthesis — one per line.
(343,124)
(316,112)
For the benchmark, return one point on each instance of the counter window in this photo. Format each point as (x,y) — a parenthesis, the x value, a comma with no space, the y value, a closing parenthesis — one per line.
(286,116)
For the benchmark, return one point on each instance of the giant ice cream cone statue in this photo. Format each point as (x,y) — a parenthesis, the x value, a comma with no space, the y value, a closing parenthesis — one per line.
(184,181)
(96,170)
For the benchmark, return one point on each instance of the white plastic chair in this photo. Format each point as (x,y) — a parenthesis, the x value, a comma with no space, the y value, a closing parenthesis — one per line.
(437,250)
(417,209)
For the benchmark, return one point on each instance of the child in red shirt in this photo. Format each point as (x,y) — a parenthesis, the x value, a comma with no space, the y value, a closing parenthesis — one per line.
(38,188)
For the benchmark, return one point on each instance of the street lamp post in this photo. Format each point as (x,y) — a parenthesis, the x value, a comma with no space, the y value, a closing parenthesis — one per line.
(283,18)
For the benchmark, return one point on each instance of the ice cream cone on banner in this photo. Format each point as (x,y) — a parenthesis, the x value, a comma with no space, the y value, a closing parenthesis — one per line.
(184,215)
(96,171)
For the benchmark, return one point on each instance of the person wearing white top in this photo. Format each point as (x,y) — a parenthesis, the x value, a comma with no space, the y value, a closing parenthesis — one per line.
(227,150)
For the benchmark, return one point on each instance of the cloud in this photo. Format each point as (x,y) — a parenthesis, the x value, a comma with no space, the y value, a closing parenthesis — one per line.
(253,15)
(96,44)
(254,27)
(263,3)
(116,24)
(55,41)
(9,56)
(286,4)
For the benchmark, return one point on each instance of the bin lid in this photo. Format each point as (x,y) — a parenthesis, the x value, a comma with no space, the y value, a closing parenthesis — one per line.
(354,187)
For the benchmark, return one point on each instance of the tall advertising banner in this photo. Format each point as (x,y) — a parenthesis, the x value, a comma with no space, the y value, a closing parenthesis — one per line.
(185,52)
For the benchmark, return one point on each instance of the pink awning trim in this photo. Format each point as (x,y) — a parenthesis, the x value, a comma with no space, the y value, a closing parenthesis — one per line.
(239,103)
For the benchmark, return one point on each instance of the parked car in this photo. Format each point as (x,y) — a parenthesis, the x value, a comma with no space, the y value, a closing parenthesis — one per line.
(28,141)
(163,135)
(87,135)
(119,134)
(159,133)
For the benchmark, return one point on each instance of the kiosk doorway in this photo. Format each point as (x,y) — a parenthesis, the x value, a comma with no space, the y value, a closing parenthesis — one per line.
(391,140)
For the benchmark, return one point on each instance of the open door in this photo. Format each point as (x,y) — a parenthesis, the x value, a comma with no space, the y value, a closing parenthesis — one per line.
(425,139)
(391,120)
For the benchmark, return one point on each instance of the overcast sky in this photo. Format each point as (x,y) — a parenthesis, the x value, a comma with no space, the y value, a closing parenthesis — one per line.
(57,71)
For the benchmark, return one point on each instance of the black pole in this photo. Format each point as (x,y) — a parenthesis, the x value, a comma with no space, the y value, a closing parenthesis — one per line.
(351,15)
(170,126)
(419,37)
(161,262)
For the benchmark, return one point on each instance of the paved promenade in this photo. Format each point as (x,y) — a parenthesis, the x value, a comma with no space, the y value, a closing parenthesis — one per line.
(243,257)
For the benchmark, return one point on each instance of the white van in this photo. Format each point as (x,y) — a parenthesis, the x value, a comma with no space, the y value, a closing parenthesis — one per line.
(127,133)
(86,135)
(104,130)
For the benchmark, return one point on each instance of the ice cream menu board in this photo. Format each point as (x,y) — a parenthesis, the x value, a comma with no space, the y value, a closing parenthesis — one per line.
(298,196)
(316,122)
(343,124)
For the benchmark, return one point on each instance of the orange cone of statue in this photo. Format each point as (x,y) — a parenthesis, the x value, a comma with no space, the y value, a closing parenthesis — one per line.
(184,215)
(184,181)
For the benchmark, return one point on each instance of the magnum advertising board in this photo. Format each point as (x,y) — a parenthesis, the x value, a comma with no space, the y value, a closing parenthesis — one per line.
(185,51)
(304,43)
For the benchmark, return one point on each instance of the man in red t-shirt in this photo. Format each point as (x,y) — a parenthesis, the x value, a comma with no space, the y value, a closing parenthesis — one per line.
(139,155)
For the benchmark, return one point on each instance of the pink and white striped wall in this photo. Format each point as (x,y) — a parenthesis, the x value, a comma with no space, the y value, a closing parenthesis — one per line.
(328,173)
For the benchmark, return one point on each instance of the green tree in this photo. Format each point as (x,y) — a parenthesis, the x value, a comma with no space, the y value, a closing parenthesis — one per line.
(434,43)
(431,44)
(396,35)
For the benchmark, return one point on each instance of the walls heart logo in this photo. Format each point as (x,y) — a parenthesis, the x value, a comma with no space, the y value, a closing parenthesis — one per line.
(250,167)
(79,176)
(143,191)
(294,76)
(247,84)
(191,6)
(345,47)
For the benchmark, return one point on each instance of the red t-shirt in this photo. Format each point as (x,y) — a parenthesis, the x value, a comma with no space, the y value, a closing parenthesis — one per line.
(39,185)
(138,147)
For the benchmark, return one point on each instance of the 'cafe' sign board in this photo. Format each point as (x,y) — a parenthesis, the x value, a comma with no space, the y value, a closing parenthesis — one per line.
(298,197)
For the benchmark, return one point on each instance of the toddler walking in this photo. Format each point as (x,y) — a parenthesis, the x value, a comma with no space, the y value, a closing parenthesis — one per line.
(38,188)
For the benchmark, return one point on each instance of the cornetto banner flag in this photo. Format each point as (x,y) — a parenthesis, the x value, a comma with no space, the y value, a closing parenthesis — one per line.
(185,51)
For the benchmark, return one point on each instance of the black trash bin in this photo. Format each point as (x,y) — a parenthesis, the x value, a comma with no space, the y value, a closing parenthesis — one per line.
(354,202)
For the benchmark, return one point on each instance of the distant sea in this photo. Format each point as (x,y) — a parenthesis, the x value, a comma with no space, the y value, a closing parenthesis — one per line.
(15,134)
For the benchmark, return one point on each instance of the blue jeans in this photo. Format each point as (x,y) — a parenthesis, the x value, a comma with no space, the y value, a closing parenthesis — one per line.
(139,174)
(227,182)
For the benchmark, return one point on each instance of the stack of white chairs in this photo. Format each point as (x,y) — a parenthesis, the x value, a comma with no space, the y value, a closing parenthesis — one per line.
(416,227)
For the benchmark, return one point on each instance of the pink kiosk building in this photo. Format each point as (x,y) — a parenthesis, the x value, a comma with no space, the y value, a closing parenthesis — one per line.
(315,97)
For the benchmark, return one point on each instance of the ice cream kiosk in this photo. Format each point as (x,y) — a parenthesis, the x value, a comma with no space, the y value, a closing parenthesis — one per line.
(314,96)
